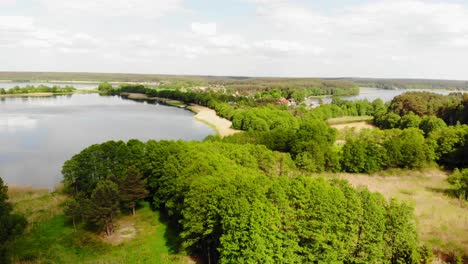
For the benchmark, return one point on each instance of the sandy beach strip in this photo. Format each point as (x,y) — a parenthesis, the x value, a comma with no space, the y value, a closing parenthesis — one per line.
(27,95)
(209,116)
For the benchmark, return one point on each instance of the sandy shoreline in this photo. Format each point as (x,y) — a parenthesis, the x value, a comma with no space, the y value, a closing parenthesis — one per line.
(27,95)
(202,113)
(209,116)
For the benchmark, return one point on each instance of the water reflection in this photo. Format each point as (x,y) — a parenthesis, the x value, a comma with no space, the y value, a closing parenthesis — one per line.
(37,134)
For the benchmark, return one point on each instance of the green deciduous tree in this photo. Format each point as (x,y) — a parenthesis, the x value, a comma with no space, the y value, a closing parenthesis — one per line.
(459,181)
(401,240)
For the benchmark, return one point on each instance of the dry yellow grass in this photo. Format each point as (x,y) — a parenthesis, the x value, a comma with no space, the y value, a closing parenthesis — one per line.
(441,220)
(357,126)
(36,204)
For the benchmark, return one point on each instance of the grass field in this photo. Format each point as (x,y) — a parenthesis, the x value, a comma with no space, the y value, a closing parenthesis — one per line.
(51,238)
(349,119)
(351,124)
(442,221)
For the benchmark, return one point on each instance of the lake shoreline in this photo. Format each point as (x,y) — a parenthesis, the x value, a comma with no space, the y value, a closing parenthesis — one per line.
(28,95)
(222,126)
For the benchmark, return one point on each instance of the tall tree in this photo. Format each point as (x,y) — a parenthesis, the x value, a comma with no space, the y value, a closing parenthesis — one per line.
(132,188)
(105,205)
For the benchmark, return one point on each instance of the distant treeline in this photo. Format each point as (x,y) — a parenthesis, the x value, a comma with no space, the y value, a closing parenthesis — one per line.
(240,82)
(410,83)
(37,89)
(232,203)
(307,86)
(413,106)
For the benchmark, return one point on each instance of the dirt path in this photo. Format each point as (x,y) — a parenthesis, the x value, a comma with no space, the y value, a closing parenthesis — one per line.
(124,230)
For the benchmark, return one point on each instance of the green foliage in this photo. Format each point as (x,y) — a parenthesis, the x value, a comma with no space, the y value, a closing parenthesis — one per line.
(11,224)
(410,120)
(105,88)
(459,181)
(408,150)
(431,123)
(387,120)
(451,108)
(451,146)
(312,144)
(401,241)
(38,89)
(104,205)
(362,155)
(239,203)
(373,150)
(132,189)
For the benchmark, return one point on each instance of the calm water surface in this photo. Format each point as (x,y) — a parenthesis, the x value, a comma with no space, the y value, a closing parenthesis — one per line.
(374,93)
(37,134)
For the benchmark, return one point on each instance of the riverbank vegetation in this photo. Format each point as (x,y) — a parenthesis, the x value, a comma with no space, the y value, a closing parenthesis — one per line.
(37,89)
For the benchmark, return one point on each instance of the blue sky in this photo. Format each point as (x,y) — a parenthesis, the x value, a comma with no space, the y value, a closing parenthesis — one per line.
(297,38)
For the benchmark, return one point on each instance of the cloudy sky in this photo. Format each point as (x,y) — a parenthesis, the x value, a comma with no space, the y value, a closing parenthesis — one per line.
(309,38)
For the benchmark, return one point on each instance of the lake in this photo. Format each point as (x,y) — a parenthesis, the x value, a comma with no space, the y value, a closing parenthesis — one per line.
(374,93)
(38,134)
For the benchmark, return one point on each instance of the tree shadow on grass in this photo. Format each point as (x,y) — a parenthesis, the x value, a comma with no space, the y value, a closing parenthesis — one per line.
(445,191)
(171,233)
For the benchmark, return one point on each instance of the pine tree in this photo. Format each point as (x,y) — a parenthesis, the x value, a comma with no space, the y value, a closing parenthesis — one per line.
(133,188)
(105,205)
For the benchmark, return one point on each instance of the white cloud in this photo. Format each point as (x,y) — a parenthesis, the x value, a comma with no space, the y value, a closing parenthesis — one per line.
(281,46)
(205,29)
(231,41)
(16,23)
(114,8)
(385,38)
(7,2)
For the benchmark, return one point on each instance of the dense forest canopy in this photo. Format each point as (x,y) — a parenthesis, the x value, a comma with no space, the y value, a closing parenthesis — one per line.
(236,203)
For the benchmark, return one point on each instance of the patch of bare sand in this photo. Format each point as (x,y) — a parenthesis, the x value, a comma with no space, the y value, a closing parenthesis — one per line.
(124,230)
(209,116)
(357,126)
(26,95)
